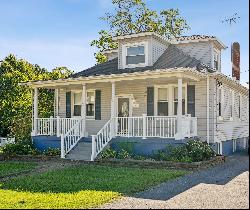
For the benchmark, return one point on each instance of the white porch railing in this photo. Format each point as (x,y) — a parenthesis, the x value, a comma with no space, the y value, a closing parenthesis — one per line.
(71,138)
(4,141)
(103,137)
(53,126)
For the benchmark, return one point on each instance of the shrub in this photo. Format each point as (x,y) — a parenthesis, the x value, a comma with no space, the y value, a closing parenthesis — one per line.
(108,153)
(52,152)
(199,151)
(123,154)
(20,148)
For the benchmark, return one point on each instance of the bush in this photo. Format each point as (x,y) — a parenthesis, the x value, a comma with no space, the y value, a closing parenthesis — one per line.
(20,148)
(193,151)
(199,151)
(123,154)
(52,152)
(108,153)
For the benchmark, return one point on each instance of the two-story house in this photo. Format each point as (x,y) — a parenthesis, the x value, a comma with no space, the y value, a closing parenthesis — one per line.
(150,90)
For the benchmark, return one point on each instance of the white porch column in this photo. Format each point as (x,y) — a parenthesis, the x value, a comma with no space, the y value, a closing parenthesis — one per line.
(56,103)
(179,110)
(35,114)
(83,110)
(113,110)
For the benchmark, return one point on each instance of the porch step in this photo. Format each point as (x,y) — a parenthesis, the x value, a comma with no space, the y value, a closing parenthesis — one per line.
(82,151)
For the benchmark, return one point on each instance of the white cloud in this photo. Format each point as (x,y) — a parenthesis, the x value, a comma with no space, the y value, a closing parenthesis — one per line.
(76,54)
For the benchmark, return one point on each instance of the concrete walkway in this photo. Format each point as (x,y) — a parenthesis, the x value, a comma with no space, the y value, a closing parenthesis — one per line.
(220,187)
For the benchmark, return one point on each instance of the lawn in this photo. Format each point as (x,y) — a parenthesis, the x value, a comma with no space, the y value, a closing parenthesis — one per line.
(79,187)
(9,168)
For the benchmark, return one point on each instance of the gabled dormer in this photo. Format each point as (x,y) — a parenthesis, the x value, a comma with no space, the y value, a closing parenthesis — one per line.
(140,50)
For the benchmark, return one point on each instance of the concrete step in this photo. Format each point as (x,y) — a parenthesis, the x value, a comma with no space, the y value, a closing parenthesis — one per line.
(82,151)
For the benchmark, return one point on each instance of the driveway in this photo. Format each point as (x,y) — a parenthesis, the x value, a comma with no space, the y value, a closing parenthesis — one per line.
(221,187)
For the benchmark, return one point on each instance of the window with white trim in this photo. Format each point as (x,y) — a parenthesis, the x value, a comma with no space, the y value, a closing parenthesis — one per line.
(231,98)
(216,60)
(239,106)
(77,104)
(90,104)
(176,100)
(135,55)
(162,103)
(220,101)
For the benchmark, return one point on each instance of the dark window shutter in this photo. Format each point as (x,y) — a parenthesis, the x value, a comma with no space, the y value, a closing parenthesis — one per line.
(98,107)
(150,101)
(68,104)
(191,100)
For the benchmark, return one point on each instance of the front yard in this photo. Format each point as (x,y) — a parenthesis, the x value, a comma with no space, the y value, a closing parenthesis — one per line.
(78,186)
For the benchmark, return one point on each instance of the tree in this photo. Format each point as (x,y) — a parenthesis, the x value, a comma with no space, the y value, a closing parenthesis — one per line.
(133,16)
(16,100)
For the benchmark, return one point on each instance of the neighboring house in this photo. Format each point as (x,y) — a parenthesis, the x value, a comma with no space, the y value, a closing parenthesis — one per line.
(152,91)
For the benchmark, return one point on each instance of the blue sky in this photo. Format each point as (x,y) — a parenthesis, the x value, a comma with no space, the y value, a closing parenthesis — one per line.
(55,33)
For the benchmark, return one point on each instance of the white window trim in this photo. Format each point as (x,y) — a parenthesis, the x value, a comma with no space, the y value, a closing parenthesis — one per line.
(124,54)
(73,104)
(170,88)
(221,118)
(240,107)
(232,104)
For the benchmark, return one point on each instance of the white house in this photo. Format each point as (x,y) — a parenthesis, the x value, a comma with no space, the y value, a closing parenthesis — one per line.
(150,88)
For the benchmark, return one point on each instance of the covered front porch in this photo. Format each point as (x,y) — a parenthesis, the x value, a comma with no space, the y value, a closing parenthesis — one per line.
(153,106)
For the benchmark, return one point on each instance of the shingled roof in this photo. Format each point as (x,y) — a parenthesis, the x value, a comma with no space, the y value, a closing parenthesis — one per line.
(171,58)
(194,37)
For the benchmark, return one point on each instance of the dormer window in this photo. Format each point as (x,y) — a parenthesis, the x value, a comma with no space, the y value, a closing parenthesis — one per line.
(216,60)
(135,55)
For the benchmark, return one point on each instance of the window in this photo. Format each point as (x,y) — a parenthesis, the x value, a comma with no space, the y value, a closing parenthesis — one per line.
(220,102)
(176,100)
(162,103)
(239,101)
(135,55)
(216,60)
(90,104)
(231,98)
(77,104)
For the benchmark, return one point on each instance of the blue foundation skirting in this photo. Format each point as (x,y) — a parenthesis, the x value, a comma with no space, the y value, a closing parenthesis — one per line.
(43,143)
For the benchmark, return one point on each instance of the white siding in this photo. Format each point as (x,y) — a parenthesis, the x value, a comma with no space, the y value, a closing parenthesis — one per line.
(158,48)
(233,128)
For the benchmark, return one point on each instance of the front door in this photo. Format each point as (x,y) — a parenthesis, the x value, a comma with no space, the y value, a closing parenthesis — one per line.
(123,112)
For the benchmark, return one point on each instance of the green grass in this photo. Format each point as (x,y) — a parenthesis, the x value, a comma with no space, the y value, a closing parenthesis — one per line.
(79,187)
(8,168)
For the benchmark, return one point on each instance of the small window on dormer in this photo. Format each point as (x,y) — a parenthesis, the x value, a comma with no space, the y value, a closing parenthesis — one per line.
(216,60)
(135,55)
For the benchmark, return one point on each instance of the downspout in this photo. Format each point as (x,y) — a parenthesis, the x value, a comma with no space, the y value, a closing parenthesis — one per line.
(208,140)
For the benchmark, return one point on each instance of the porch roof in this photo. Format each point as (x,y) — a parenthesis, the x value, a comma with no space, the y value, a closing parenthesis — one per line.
(188,73)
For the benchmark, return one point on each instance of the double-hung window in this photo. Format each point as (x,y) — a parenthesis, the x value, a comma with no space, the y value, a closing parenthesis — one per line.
(176,100)
(135,55)
(239,106)
(162,103)
(90,104)
(216,60)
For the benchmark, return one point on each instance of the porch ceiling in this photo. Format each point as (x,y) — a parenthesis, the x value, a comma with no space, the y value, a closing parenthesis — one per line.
(169,75)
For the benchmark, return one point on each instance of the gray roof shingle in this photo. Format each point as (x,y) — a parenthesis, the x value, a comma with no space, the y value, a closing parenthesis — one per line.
(171,58)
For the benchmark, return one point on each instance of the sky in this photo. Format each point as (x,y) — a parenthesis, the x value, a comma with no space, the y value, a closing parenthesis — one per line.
(54,33)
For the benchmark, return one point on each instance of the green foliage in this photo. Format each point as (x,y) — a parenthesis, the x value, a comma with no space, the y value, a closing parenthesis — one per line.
(52,152)
(108,153)
(199,151)
(123,154)
(133,16)
(8,168)
(16,100)
(193,151)
(19,148)
(127,146)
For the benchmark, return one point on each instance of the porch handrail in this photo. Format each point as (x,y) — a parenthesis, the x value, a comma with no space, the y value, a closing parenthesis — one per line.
(71,138)
(53,126)
(4,141)
(103,137)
